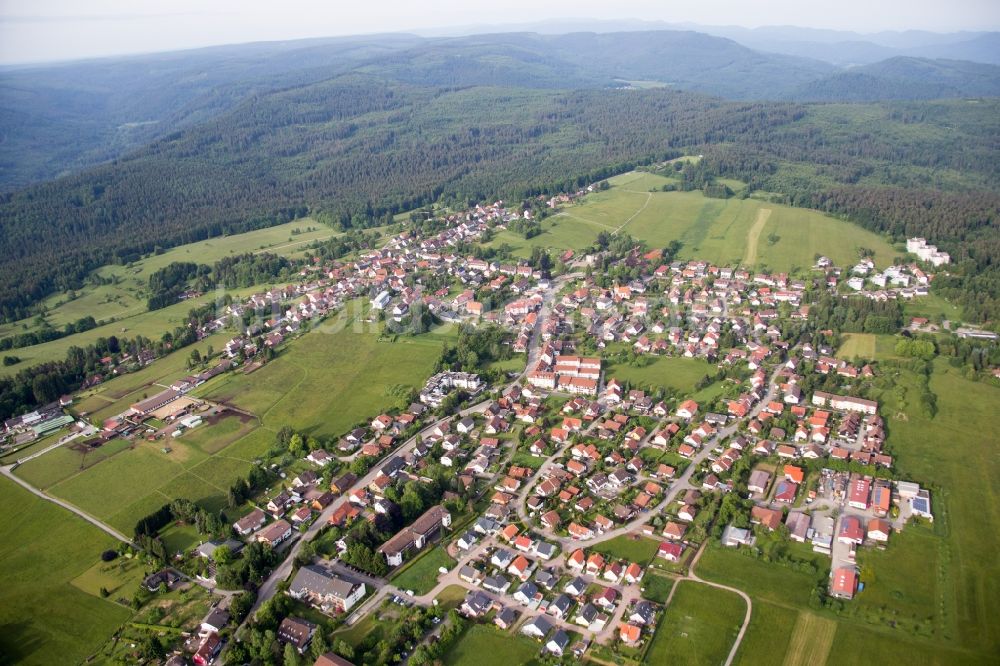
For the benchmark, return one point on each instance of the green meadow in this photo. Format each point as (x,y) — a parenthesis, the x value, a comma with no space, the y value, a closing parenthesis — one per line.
(124,300)
(422,575)
(675,372)
(45,618)
(698,627)
(484,645)
(625,547)
(331,378)
(723,231)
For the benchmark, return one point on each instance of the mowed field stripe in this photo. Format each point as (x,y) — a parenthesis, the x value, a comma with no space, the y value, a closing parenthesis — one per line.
(753,236)
(811,641)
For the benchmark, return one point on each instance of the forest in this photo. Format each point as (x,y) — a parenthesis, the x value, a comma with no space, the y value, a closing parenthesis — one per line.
(356,149)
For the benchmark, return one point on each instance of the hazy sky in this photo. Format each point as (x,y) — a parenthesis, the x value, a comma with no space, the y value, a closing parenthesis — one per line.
(39,30)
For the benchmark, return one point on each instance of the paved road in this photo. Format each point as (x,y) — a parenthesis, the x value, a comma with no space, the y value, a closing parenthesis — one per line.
(682,483)
(283,570)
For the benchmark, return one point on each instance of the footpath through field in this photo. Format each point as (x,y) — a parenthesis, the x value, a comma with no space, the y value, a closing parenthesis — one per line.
(753,236)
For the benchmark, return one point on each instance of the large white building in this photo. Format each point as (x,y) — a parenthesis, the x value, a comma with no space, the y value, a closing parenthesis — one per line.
(323,588)
(929,253)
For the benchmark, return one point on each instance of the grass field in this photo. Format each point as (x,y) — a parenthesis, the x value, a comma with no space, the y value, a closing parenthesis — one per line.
(889,574)
(123,303)
(674,371)
(625,547)
(359,631)
(44,619)
(868,346)
(120,483)
(126,296)
(857,345)
(810,641)
(149,324)
(483,645)
(120,577)
(766,640)
(699,626)
(422,575)
(451,597)
(967,506)
(322,384)
(723,231)
(326,381)
(656,587)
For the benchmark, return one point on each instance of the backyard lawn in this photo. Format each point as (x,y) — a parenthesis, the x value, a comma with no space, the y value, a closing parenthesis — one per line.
(484,645)
(625,547)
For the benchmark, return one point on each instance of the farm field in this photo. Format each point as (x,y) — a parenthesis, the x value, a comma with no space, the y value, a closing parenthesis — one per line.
(326,382)
(810,641)
(766,640)
(44,618)
(421,576)
(120,483)
(62,463)
(674,371)
(483,645)
(723,231)
(625,547)
(698,627)
(322,383)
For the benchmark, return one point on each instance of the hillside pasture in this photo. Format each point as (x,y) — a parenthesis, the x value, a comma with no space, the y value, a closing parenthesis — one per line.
(121,303)
(723,231)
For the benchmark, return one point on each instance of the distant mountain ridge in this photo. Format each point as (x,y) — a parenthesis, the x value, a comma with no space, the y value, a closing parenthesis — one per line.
(58,119)
(837,47)
(904,78)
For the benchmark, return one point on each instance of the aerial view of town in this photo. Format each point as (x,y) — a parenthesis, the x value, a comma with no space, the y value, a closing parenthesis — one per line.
(539,388)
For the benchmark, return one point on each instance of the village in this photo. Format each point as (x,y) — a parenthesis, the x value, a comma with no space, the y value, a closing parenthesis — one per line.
(563,458)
